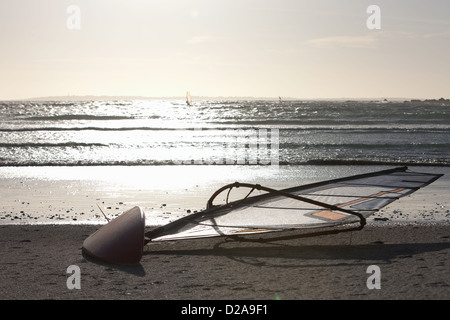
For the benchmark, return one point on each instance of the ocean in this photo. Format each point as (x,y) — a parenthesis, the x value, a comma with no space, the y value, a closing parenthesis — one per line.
(224,132)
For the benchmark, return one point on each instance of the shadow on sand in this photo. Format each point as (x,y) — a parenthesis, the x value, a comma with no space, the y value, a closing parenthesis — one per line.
(269,254)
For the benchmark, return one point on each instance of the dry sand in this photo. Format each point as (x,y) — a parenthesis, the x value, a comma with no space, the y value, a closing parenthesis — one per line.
(413,260)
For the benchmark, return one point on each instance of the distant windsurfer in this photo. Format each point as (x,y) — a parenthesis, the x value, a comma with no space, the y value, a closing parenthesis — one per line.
(188,98)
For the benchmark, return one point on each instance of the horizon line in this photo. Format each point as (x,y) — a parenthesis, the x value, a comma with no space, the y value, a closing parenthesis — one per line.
(127,97)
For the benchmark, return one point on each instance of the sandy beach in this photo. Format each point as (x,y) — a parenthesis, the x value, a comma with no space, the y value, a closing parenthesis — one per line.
(413,261)
(43,228)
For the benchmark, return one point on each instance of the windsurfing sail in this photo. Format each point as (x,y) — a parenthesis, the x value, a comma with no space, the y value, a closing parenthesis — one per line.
(188,99)
(338,205)
(332,203)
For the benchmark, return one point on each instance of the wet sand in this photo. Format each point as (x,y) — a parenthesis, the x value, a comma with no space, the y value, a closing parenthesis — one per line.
(71,195)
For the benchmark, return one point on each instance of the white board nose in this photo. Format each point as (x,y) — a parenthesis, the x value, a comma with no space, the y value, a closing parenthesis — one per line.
(120,241)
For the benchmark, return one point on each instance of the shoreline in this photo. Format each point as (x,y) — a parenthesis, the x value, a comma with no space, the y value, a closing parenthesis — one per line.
(65,195)
(413,259)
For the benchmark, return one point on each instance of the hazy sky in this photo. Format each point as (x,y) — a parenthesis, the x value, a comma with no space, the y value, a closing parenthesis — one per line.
(289,48)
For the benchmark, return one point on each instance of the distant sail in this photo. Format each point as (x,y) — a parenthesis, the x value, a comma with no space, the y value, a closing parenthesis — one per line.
(188,99)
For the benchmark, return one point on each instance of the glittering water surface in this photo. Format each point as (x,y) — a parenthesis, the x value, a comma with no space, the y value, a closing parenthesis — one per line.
(223,132)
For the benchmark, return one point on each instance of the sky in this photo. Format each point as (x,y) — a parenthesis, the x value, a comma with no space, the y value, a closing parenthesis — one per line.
(307,49)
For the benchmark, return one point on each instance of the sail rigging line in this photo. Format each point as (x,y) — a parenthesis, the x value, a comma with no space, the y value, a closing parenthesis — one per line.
(229,191)
(107,219)
(240,238)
